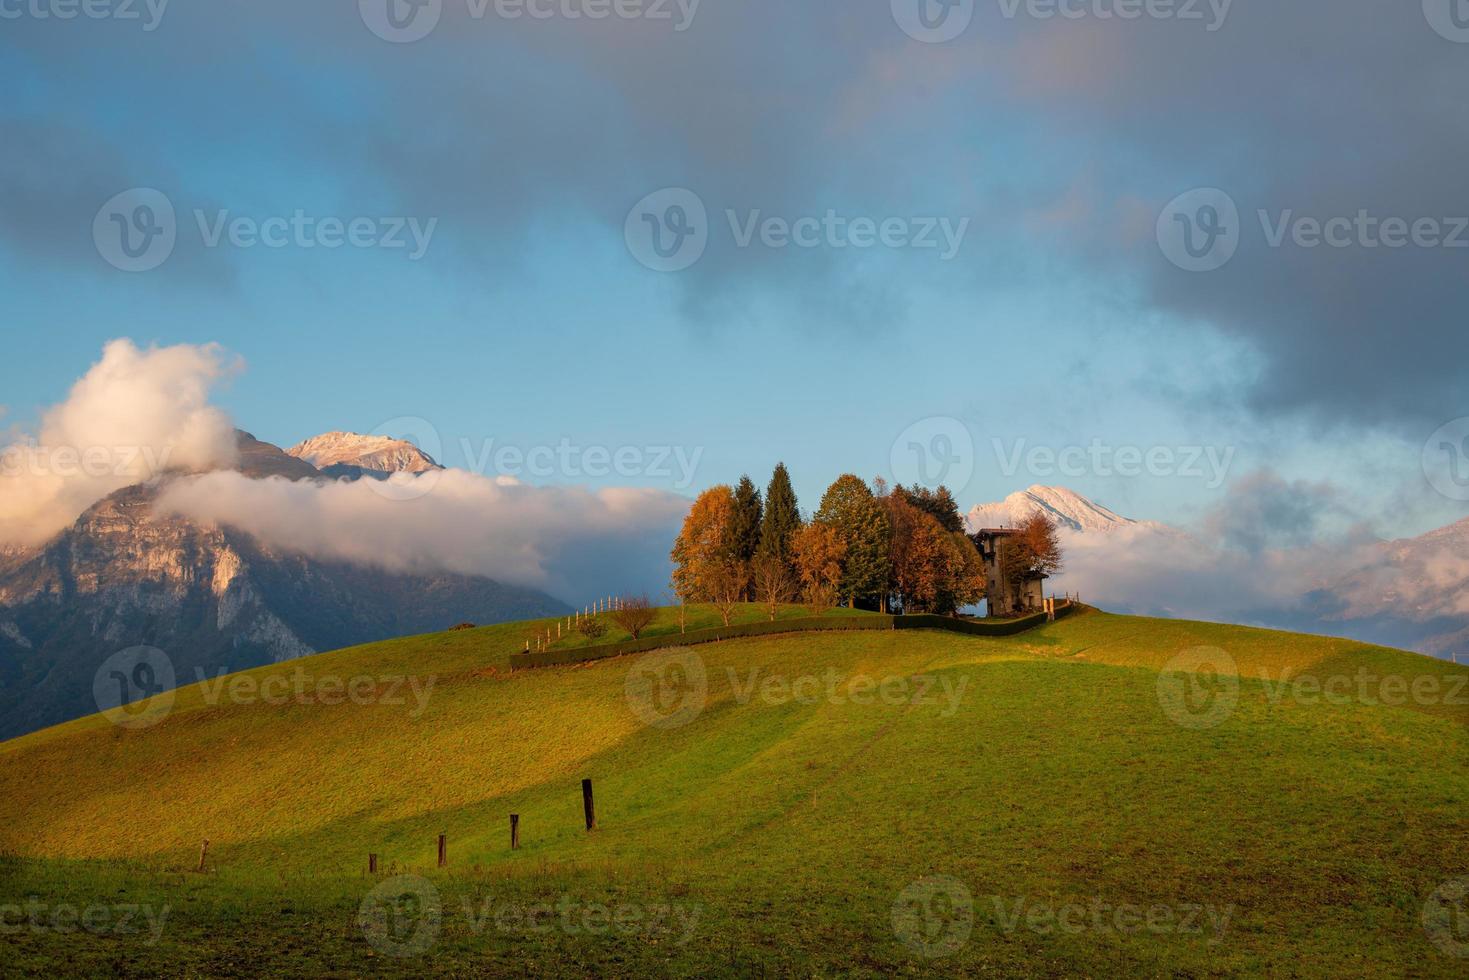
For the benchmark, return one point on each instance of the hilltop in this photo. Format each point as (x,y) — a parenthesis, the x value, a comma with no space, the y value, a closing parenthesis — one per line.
(815,803)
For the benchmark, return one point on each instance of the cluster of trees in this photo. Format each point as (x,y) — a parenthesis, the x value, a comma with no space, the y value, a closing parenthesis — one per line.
(865,546)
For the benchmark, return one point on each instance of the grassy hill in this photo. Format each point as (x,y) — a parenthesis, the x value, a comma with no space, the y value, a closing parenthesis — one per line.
(1061,802)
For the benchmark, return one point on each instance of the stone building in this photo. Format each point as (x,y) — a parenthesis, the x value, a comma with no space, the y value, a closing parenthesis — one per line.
(1001,599)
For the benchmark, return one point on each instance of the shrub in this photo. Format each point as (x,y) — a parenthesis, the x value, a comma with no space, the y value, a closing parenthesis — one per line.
(634,614)
(591,627)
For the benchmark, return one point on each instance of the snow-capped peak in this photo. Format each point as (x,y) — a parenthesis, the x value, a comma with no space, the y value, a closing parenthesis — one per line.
(1067,508)
(377,453)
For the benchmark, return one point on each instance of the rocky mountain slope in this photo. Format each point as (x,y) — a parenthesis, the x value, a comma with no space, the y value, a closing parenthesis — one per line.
(1413,592)
(212,599)
(349,454)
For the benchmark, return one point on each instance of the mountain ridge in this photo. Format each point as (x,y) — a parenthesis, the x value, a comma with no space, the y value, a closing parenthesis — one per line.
(212,597)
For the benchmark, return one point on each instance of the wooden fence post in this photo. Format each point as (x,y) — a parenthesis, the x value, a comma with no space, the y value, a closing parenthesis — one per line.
(372,864)
(443,850)
(586,802)
(203,850)
(515,831)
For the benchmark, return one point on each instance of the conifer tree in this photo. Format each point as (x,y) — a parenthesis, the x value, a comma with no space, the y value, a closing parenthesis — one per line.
(744,529)
(744,526)
(782,518)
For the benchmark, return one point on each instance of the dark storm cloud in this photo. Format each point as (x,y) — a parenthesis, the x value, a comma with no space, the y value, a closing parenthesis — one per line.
(1061,138)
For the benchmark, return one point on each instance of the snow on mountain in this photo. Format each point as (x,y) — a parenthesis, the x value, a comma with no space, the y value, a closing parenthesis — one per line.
(1067,508)
(352,451)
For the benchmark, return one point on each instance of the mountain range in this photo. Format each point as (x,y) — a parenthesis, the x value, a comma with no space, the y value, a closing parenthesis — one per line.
(212,598)
(1411,593)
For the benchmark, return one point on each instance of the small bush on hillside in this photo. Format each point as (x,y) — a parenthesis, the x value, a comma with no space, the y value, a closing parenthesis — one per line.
(634,614)
(591,627)
(461,626)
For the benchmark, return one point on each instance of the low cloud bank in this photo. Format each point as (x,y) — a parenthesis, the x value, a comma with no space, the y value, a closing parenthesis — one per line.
(134,414)
(573,542)
(1255,558)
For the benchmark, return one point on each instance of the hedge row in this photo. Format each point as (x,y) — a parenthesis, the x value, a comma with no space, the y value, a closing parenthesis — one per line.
(875,621)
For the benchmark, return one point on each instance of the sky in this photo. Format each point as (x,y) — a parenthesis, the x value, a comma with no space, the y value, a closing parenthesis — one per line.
(1155,252)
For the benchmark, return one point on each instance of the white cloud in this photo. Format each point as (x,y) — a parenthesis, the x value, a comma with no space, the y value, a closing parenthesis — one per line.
(135,413)
(573,542)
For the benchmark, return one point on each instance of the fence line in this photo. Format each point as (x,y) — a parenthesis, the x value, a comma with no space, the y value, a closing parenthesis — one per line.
(811,624)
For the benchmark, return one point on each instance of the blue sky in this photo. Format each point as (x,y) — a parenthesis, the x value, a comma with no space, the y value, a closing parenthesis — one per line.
(529,319)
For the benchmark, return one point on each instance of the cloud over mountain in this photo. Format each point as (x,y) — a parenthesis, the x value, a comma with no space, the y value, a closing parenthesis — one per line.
(141,414)
(134,414)
(573,542)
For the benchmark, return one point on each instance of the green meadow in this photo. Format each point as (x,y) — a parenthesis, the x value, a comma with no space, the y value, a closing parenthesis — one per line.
(1102,796)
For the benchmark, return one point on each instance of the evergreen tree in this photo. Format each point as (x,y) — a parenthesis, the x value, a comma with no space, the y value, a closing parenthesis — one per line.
(782,517)
(849,508)
(744,525)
